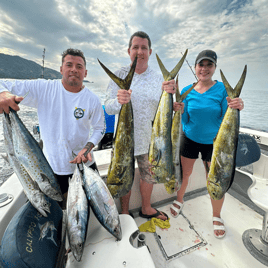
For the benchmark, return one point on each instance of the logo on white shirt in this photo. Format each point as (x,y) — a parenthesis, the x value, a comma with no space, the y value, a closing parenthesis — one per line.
(78,113)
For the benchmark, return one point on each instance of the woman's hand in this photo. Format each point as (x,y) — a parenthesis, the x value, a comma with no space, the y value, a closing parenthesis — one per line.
(178,106)
(236,103)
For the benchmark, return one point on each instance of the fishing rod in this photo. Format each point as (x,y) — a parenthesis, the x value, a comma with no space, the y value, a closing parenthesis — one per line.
(190,68)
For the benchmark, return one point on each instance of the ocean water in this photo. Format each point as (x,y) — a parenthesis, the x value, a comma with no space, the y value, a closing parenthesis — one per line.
(253,116)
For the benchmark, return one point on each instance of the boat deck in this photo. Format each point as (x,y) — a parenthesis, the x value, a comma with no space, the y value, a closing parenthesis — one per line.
(190,242)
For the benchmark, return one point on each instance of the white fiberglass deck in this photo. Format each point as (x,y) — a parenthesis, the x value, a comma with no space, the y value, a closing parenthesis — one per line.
(228,252)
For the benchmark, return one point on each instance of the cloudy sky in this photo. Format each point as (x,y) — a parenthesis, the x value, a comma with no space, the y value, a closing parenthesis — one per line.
(236,29)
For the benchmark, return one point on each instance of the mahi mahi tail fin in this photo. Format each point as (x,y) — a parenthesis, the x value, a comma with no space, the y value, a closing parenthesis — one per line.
(183,96)
(178,95)
(122,83)
(171,75)
(240,83)
(234,93)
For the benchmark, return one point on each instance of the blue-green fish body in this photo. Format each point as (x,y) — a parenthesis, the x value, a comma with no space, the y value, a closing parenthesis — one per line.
(160,152)
(77,215)
(121,169)
(222,168)
(30,155)
(102,202)
(31,189)
(176,131)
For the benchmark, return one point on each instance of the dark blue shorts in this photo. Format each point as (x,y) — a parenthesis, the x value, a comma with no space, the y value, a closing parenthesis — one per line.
(191,149)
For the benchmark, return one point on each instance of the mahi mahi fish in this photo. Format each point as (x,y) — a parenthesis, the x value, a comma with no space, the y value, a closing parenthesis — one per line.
(222,168)
(101,202)
(160,152)
(121,170)
(31,189)
(30,155)
(77,215)
(175,183)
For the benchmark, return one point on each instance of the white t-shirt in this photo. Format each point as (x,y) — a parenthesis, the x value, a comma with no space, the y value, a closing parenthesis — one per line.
(65,118)
(146,93)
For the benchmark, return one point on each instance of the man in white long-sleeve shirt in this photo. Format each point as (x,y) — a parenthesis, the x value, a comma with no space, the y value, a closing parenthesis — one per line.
(145,95)
(66,112)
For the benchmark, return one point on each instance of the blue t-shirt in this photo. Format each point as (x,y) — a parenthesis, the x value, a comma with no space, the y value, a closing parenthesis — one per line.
(203,113)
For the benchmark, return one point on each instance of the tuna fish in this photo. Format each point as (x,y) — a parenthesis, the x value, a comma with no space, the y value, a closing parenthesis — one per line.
(77,215)
(222,168)
(101,202)
(160,152)
(121,170)
(30,155)
(175,183)
(31,189)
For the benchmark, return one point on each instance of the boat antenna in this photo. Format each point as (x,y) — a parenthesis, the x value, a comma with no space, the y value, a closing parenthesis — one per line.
(42,76)
(191,68)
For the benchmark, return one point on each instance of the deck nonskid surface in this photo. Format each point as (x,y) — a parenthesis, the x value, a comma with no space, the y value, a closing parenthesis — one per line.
(190,242)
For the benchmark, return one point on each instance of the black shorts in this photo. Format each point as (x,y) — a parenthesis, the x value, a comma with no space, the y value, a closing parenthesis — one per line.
(63,180)
(191,149)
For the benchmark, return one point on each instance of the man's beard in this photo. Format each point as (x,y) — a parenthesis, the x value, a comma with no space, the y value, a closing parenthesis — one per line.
(72,84)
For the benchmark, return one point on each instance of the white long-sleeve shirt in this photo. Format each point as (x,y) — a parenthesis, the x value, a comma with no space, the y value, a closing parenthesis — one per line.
(146,93)
(65,118)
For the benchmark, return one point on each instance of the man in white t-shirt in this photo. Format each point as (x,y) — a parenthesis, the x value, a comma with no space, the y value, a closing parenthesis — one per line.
(145,94)
(67,110)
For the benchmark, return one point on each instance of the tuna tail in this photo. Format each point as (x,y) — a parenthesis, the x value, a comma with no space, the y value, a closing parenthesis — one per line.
(122,83)
(18,102)
(234,93)
(171,75)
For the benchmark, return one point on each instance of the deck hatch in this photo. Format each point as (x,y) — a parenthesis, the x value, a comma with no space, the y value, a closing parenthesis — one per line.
(169,241)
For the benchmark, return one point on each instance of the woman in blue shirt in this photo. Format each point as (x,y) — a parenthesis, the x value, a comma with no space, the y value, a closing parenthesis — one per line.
(202,113)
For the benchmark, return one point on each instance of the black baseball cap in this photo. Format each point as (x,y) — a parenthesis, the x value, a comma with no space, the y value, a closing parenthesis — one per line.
(206,55)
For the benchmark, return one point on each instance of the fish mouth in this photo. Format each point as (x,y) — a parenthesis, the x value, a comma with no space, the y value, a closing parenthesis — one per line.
(77,251)
(42,211)
(46,208)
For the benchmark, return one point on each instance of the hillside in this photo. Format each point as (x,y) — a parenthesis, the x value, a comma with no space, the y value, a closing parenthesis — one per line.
(20,68)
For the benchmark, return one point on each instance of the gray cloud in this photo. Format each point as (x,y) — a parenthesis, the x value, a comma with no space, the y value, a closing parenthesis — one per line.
(236,30)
